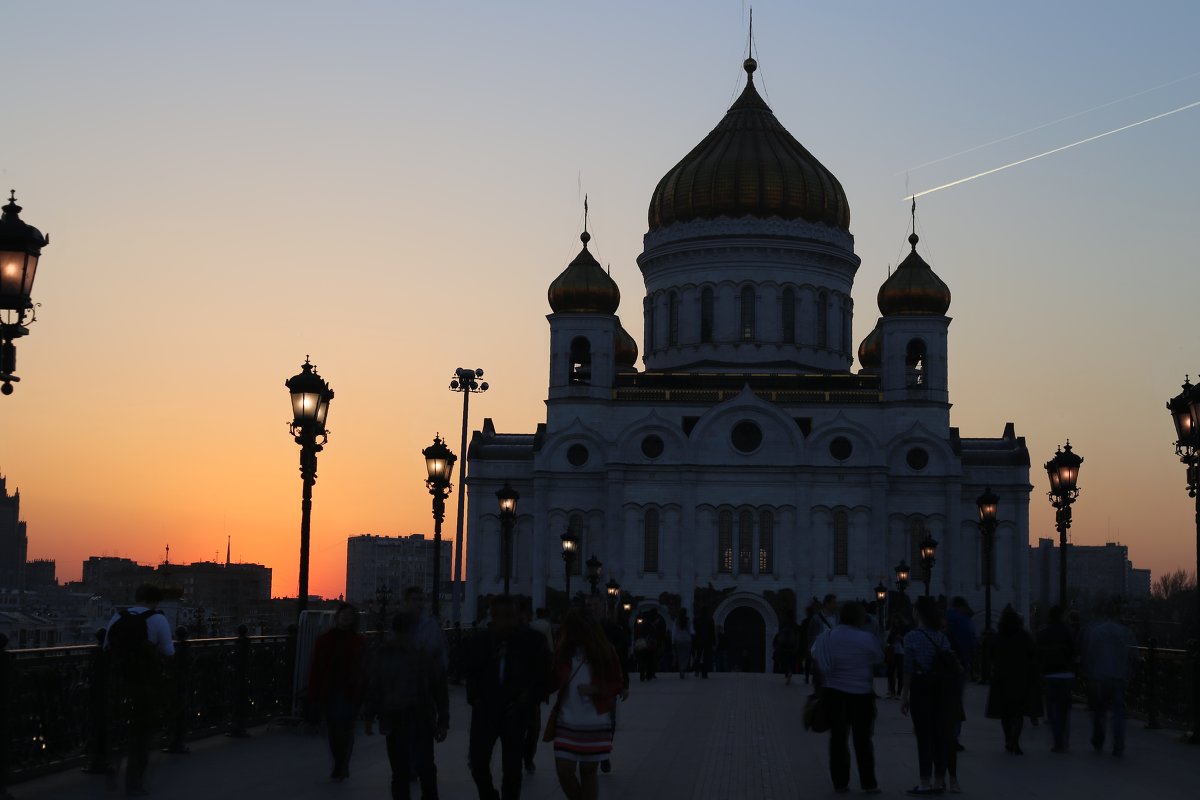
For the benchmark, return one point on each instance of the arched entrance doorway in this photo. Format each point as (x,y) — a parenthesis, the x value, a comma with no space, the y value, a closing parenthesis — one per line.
(749,624)
(745,640)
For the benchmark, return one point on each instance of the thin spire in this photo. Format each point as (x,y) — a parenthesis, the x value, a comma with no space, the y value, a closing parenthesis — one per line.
(750,38)
(228,545)
(912,237)
(585,212)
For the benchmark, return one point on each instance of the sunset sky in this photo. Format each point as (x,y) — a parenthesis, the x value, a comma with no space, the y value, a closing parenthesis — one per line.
(391,186)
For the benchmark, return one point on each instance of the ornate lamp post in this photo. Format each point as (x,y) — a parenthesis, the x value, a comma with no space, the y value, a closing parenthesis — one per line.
(507,497)
(570,552)
(902,573)
(1185,411)
(613,590)
(880,599)
(439,465)
(465,381)
(988,502)
(20,248)
(595,571)
(1063,471)
(928,553)
(311,396)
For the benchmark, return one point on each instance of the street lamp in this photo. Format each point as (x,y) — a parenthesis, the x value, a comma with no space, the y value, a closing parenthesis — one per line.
(613,589)
(595,571)
(310,408)
(465,381)
(987,502)
(570,552)
(880,598)
(507,496)
(1063,471)
(928,553)
(902,572)
(439,464)
(20,248)
(1185,411)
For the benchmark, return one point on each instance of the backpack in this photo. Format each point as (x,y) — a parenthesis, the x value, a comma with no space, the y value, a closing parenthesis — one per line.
(944,673)
(129,640)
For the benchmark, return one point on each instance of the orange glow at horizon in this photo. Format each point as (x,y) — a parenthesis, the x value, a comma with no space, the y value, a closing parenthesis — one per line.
(397,207)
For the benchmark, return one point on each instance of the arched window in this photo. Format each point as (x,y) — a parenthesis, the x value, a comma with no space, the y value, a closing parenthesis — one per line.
(917,531)
(706,315)
(747,313)
(914,361)
(581,360)
(822,320)
(673,319)
(746,542)
(766,543)
(841,542)
(650,541)
(725,542)
(575,526)
(789,316)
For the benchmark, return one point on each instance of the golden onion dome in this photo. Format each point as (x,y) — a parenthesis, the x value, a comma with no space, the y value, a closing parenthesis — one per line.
(625,349)
(870,352)
(749,165)
(584,287)
(914,289)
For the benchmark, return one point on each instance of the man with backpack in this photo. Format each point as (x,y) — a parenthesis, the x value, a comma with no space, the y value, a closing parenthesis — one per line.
(137,639)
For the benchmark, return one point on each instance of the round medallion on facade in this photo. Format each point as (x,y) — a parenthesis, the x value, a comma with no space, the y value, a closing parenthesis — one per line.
(841,448)
(652,446)
(917,458)
(577,455)
(746,436)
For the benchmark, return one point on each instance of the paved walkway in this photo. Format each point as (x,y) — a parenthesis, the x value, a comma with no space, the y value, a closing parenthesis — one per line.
(727,738)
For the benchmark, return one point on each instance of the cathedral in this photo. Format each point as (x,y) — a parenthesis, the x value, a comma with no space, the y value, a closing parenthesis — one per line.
(750,465)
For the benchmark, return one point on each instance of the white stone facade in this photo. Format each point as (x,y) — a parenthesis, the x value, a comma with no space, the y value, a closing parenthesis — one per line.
(747,454)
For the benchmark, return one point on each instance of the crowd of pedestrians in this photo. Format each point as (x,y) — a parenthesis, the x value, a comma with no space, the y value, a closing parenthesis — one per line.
(579,670)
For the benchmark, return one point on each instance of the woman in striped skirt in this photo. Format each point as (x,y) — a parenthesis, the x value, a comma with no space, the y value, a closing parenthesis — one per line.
(587,677)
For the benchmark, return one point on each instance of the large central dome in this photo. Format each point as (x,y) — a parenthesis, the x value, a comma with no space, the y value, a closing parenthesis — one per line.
(749,165)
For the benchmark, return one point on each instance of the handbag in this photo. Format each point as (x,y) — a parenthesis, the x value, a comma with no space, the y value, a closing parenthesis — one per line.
(551,729)
(816,713)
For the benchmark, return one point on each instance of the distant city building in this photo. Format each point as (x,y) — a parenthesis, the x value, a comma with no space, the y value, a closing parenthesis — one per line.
(395,562)
(1094,573)
(228,593)
(40,574)
(14,544)
(114,578)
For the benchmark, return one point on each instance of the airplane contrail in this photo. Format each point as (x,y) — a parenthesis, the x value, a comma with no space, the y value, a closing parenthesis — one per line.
(1048,124)
(1052,152)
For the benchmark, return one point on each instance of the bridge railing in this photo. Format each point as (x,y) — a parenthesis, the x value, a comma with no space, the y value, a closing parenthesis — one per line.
(56,702)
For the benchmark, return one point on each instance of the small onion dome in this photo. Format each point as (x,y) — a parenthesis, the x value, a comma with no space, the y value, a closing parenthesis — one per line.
(584,287)
(749,165)
(625,348)
(870,352)
(914,288)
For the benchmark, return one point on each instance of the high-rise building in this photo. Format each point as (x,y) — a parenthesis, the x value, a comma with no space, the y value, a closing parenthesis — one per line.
(394,562)
(1094,573)
(14,544)
(40,574)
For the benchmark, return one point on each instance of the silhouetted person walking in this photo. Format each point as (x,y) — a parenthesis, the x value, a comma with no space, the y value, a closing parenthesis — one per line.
(506,670)
(407,693)
(1056,657)
(930,693)
(138,638)
(337,684)
(1108,661)
(587,678)
(704,642)
(1014,678)
(846,658)
(787,647)
(681,642)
